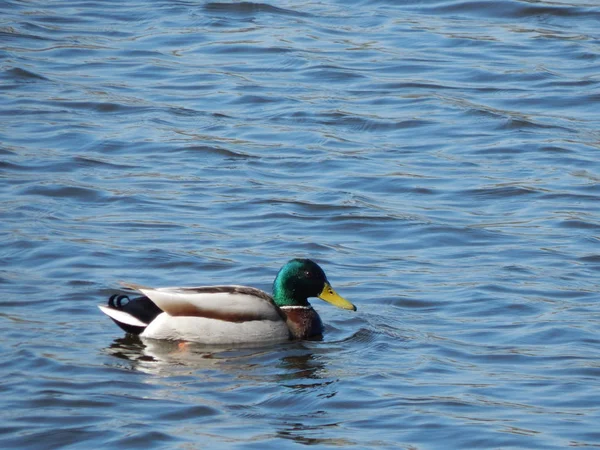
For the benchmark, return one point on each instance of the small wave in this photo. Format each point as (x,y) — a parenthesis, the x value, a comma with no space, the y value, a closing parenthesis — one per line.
(206,150)
(250,8)
(369,124)
(18,74)
(504,191)
(516,9)
(69,192)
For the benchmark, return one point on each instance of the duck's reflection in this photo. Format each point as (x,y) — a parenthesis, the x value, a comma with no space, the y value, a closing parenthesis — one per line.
(287,385)
(284,362)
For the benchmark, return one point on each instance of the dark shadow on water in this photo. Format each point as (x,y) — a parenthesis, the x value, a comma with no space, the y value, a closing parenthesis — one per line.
(129,348)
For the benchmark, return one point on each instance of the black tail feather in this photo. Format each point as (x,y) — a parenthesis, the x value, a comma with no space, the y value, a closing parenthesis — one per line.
(141,308)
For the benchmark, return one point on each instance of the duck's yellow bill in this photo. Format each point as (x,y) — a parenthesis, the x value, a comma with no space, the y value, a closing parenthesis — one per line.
(330,296)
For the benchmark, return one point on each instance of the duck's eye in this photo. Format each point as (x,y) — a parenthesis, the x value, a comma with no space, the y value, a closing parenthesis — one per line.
(308,273)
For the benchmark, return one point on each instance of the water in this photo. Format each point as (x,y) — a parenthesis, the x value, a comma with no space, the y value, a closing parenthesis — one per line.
(439,159)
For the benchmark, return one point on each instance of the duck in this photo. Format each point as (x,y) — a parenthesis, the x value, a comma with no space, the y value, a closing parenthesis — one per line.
(229,314)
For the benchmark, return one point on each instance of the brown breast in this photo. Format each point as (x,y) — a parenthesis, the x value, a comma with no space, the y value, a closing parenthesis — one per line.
(303,322)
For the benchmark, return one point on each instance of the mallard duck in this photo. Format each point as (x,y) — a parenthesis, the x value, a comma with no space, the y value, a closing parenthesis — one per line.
(229,314)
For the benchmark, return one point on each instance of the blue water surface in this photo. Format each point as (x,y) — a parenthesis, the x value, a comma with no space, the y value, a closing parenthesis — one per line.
(439,159)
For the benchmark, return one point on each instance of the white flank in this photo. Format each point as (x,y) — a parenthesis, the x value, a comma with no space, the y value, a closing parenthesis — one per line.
(122,317)
(212,331)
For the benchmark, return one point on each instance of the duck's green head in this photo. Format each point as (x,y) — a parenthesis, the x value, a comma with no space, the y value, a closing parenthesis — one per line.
(300,279)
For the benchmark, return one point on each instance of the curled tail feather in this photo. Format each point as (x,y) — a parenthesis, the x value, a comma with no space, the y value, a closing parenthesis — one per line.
(133,316)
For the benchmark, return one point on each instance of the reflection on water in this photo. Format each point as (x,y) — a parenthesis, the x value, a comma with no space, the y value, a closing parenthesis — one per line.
(286,374)
(160,357)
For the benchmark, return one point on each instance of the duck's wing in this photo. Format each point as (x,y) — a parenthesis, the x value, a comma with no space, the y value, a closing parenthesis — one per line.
(229,303)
